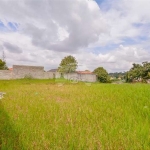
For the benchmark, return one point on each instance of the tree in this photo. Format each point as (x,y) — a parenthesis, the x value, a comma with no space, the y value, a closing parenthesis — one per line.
(68,64)
(3,65)
(139,71)
(134,73)
(102,75)
(146,70)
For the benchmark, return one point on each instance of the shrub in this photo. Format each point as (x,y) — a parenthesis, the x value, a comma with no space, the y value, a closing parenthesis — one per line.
(28,76)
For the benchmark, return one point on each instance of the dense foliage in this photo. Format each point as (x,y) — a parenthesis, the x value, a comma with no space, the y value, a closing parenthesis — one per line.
(102,75)
(139,72)
(3,65)
(68,64)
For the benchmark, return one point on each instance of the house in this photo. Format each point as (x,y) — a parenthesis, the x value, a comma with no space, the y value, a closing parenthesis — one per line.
(53,70)
(10,69)
(55,73)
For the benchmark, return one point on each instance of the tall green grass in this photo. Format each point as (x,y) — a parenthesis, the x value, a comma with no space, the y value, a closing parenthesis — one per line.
(41,115)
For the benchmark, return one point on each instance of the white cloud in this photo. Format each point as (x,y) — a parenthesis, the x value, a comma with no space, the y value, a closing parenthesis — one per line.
(120,59)
(121,15)
(49,30)
(79,23)
(12,48)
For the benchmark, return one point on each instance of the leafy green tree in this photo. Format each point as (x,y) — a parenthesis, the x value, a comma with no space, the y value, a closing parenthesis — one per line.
(146,70)
(3,65)
(68,64)
(102,75)
(134,73)
(139,71)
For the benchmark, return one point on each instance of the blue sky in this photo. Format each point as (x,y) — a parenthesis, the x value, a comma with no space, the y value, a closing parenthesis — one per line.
(10,26)
(2,26)
(100,1)
(126,40)
(96,32)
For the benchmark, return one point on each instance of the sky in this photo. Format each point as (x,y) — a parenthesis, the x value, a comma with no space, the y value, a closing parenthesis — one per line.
(112,34)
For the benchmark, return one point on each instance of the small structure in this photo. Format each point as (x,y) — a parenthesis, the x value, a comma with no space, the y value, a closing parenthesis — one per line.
(55,73)
(11,69)
(53,70)
(86,76)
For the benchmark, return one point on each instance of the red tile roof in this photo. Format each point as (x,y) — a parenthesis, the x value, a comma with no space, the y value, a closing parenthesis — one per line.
(11,69)
(84,72)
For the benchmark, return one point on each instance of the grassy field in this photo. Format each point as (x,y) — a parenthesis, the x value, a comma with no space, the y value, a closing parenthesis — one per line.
(44,115)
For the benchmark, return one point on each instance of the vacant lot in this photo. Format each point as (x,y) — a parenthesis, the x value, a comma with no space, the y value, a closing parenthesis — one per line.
(44,115)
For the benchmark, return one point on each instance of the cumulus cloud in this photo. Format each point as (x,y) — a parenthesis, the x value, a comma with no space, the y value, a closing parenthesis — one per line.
(12,48)
(1,47)
(120,59)
(81,22)
(122,17)
(43,32)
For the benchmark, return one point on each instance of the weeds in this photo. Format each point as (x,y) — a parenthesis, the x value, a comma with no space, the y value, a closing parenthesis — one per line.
(43,115)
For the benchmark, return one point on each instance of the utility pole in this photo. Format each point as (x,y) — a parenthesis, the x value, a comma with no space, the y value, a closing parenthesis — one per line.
(4,59)
(3,56)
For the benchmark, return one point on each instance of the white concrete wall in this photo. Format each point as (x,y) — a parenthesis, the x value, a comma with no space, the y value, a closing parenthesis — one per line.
(6,75)
(38,72)
(22,71)
(81,77)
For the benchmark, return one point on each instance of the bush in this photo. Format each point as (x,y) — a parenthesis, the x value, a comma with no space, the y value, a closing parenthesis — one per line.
(28,76)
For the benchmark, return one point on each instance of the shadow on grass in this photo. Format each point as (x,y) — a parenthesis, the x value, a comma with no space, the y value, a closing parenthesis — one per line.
(9,139)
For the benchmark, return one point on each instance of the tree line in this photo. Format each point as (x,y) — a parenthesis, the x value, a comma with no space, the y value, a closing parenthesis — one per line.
(69,64)
(138,72)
